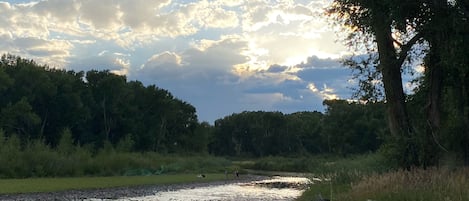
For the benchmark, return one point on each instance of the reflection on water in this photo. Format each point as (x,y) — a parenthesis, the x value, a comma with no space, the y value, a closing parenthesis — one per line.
(275,189)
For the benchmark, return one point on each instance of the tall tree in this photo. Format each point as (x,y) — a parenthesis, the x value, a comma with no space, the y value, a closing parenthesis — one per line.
(377,20)
(395,26)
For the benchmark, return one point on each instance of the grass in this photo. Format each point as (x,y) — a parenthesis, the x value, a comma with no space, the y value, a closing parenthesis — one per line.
(30,185)
(36,159)
(436,184)
(338,174)
(325,190)
(433,184)
(318,164)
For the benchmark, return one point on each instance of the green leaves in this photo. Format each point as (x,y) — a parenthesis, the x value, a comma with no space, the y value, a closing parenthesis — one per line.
(38,102)
(19,118)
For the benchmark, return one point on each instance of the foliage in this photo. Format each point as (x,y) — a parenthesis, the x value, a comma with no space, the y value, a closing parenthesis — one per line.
(36,159)
(97,106)
(345,128)
(334,176)
(353,128)
(401,33)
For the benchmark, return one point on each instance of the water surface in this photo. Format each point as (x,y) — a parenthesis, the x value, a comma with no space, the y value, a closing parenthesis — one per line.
(274,189)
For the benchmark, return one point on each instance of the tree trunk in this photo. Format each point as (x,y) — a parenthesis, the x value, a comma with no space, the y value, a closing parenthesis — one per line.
(434,74)
(390,67)
(391,70)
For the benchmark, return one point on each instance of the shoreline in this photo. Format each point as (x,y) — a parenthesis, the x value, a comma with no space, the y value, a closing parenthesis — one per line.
(121,192)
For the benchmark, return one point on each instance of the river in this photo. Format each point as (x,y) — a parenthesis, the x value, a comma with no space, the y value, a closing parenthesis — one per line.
(273,189)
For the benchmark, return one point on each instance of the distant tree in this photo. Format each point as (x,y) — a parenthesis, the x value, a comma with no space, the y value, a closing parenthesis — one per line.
(97,108)
(269,133)
(19,118)
(351,128)
(305,128)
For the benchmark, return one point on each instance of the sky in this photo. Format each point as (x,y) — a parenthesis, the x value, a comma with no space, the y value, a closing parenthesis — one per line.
(221,56)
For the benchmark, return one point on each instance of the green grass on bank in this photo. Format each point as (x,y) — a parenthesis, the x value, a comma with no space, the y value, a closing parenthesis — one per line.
(436,184)
(30,185)
(366,177)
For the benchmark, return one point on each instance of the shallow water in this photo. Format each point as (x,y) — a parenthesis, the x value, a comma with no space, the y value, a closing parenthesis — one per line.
(275,189)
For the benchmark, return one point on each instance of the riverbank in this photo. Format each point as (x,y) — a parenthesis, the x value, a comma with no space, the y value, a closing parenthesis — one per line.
(127,191)
(431,184)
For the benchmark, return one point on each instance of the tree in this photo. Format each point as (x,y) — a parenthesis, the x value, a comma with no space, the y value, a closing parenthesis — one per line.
(18,118)
(393,27)
(306,128)
(447,76)
(38,102)
(351,128)
(379,21)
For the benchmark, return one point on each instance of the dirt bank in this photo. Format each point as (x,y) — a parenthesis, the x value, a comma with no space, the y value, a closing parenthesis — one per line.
(119,192)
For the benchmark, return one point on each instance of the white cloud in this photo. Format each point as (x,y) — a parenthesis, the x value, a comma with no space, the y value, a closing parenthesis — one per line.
(58,11)
(219,18)
(138,14)
(102,14)
(52,52)
(263,101)
(313,88)
(165,58)
(114,61)
(206,59)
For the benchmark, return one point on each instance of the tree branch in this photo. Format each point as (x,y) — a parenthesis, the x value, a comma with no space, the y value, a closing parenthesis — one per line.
(396,41)
(406,48)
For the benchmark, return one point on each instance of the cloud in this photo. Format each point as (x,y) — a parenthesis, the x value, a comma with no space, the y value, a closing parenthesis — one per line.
(51,52)
(115,62)
(215,76)
(207,59)
(138,14)
(203,75)
(316,62)
(277,68)
(59,11)
(103,14)
(334,78)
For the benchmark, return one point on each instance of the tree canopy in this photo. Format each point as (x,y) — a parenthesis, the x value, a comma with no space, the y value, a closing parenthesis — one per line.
(395,30)
(96,107)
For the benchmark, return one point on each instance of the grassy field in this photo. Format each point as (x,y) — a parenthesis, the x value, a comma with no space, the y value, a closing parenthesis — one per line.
(13,186)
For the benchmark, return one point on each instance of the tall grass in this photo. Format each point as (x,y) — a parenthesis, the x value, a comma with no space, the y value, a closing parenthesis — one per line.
(338,174)
(418,184)
(36,159)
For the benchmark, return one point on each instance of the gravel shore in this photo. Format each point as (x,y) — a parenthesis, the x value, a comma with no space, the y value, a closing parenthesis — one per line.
(119,192)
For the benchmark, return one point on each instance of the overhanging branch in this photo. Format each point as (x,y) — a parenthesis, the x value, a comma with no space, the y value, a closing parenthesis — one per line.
(406,48)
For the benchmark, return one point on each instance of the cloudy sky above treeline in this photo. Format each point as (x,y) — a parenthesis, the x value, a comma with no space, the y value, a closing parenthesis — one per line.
(221,56)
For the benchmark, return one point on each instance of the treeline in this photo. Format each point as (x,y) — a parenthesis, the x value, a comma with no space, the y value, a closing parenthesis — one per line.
(38,102)
(345,128)
(99,109)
